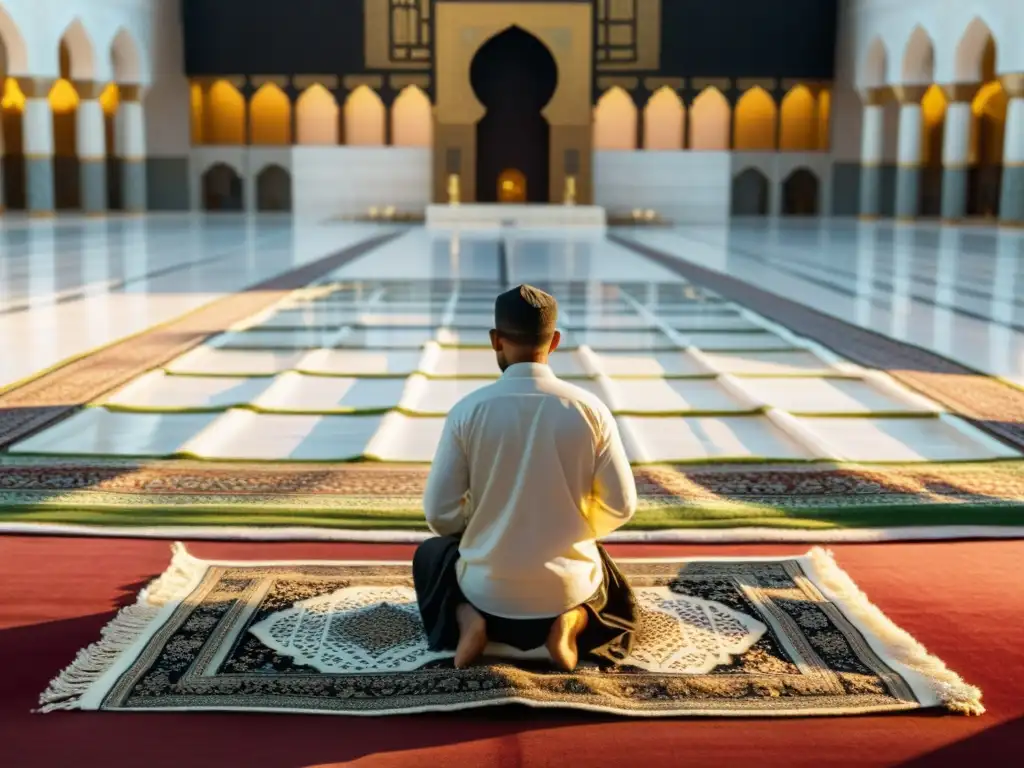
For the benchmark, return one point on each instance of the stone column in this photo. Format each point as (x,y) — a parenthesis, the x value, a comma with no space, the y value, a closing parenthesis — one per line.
(37,122)
(91,147)
(3,187)
(956,145)
(1011,202)
(908,170)
(872,148)
(640,96)
(131,148)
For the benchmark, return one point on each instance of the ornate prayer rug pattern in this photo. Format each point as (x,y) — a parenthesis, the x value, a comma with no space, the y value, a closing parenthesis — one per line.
(55,394)
(752,636)
(388,497)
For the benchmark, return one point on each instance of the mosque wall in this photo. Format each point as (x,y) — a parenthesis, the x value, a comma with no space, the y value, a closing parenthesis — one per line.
(94,106)
(929,109)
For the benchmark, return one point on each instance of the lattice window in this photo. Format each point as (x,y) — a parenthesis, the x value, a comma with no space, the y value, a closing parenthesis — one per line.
(616,31)
(409,31)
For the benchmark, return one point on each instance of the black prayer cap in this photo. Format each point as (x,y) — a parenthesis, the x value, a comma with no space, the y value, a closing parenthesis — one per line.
(526,314)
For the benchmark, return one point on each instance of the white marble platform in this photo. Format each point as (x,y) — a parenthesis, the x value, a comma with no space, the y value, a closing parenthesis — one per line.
(496,216)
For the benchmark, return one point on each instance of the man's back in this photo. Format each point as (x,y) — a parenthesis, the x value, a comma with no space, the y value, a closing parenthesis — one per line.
(546,476)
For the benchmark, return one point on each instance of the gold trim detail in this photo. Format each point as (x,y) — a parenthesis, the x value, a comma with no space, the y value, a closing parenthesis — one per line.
(351,82)
(875,97)
(1013,84)
(258,81)
(749,83)
(131,93)
(302,82)
(721,83)
(607,82)
(398,82)
(35,87)
(647,40)
(909,94)
(961,92)
(654,83)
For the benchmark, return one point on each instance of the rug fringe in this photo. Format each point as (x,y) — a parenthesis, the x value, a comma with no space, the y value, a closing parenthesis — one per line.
(132,624)
(955,694)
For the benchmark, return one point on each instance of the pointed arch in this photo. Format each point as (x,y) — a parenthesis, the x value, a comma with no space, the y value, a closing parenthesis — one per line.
(63,100)
(13,45)
(615,120)
(270,117)
(222,188)
(412,119)
(750,191)
(316,117)
(754,121)
(798,131)
(80,51)
(664,120)
(364,118)
(800,193)
(918,59)
(273,189)
(874,73)
(709,117)
(125,60)
(224,115)
(970,52)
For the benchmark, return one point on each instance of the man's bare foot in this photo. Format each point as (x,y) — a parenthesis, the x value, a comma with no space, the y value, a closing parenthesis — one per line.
(562,638)
(472,635)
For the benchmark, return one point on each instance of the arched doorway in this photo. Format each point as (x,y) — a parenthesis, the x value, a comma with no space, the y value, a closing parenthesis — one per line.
(514,76)
(512,186)
(222,189)
(750,193)
(800,194)
(273,189)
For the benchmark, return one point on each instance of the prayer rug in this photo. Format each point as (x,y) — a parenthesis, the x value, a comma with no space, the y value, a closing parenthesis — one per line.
(719,636)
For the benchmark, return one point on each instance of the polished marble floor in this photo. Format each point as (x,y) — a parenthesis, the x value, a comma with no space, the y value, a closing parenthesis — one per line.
(955,291)
(365,362)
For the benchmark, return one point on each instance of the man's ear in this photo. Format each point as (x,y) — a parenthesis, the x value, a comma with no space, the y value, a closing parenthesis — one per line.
(495,341)
(556,339)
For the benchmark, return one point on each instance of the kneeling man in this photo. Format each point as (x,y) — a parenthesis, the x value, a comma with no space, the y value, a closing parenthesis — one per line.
(529,474)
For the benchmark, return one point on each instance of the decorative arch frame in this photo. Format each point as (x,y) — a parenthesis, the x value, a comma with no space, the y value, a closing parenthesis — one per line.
(461,29)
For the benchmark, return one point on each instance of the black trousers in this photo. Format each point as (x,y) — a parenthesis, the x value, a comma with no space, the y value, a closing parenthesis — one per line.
(611,625)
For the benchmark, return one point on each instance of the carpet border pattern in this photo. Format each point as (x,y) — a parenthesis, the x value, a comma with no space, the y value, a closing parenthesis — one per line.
(385,501)
(104,675)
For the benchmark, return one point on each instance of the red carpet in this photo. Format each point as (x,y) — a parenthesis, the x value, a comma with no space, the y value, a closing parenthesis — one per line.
(963,600)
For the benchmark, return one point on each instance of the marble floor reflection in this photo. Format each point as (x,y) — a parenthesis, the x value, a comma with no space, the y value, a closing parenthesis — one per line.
(957,291)
(70,285)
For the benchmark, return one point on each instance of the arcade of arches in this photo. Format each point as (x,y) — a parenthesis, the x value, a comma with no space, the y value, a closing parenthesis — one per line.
(956,161)
(81,152)
(221,115)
